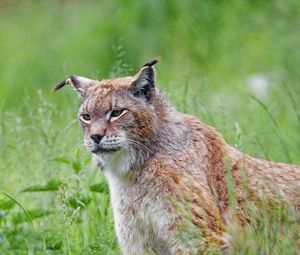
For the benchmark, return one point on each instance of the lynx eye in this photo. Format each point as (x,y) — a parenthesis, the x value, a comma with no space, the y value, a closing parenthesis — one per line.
(114,114)
(85,118)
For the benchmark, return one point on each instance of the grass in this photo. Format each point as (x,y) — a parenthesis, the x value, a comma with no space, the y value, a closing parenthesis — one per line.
(52,201)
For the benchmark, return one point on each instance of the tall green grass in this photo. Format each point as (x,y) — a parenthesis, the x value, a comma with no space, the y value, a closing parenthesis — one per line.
(52,200)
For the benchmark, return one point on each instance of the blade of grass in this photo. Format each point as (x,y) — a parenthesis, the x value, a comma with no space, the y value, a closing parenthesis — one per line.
(277,129)
(20,205)
(293,101)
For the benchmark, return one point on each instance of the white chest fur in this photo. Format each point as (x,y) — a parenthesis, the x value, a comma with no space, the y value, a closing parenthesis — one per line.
(141,218)
(117,162)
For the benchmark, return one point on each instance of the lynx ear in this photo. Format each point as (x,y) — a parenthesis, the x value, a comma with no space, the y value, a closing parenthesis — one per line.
(79,83)
(144,84)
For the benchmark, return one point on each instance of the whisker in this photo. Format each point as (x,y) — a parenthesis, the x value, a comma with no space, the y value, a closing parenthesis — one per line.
(80,145)
(142,146)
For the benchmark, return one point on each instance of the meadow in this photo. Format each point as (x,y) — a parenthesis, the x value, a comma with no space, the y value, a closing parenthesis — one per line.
(233,64)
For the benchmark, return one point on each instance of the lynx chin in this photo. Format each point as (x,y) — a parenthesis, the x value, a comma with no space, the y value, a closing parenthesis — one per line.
(167,171)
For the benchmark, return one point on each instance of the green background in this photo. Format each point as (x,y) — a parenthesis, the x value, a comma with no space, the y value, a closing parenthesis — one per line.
(233,64)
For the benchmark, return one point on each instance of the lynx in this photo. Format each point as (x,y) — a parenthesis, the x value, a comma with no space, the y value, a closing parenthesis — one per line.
(167,170)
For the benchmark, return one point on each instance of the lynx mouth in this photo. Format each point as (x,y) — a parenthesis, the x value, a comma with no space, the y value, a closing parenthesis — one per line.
(105,150)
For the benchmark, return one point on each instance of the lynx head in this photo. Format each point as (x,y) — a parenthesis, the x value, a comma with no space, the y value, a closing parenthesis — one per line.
(118,115)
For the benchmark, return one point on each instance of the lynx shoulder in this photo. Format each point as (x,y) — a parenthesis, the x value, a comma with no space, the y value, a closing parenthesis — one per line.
(167,171)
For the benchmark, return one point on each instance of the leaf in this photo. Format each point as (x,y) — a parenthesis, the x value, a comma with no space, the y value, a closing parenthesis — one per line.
(52,185)
(53,242)
(81,201)
(76,166)
(6,204)
(21,217)
(19,204)
(77,154)
(62,160)
(99,188)
(87,162)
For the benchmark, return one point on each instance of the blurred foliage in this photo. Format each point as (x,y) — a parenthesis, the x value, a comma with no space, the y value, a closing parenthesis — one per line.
(234,64)
(211,51)
(44,41)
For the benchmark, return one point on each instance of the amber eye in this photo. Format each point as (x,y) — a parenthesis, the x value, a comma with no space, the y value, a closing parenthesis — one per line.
(85,117)
(116,113)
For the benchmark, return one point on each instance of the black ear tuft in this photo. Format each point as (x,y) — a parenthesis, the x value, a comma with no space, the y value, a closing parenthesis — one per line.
(78,83)
(152,62)
(144,84)
(59,85)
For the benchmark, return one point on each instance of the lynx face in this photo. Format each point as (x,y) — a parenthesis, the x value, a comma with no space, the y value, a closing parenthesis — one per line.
(113,119)
(106,122)
(117,116)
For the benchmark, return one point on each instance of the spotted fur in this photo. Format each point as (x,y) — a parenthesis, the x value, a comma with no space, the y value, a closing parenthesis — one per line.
(166,170)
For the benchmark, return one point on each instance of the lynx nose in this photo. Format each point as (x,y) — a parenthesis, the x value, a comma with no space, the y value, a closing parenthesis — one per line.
(96,138)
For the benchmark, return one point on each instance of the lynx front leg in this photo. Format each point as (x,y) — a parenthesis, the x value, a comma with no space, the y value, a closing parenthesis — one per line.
(134,248)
